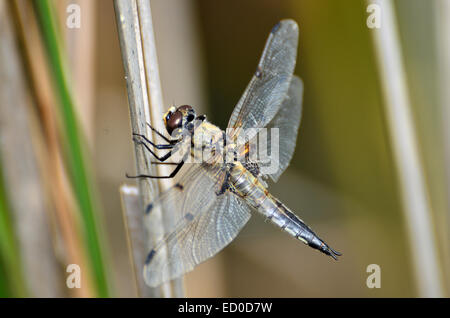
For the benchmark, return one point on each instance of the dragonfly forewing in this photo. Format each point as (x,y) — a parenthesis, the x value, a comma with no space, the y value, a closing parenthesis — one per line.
(287,121)
(264,94)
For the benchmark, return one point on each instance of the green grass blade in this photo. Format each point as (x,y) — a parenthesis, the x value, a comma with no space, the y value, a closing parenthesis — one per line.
(74,145)
(11,279)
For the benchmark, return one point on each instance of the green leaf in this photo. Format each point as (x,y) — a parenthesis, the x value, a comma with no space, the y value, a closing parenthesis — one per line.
(11,279)
(74,146)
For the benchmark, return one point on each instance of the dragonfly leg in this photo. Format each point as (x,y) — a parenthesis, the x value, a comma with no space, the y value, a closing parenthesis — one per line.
(161,135)
(161,146)
(171,175)
(163,158)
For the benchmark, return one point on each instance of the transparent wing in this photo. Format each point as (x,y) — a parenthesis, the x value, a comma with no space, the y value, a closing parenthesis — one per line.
(268,149)
(268,87)
(287,120)
(205,223)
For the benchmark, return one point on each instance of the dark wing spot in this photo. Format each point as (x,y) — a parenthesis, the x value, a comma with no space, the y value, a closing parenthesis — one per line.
(276,27)
(179,186)
(149,208)
(150,256)
(189,216)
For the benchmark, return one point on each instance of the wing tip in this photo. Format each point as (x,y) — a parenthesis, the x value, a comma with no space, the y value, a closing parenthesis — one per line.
(290,23)
(286,23)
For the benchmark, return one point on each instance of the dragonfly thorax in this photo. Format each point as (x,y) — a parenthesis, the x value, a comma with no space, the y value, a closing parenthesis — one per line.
(207,141)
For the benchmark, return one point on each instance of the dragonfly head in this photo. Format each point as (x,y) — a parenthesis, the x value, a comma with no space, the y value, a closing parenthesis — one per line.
(177,119)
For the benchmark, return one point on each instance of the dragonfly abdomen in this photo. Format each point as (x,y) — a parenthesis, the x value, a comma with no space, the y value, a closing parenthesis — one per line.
(256,195)
(280,215)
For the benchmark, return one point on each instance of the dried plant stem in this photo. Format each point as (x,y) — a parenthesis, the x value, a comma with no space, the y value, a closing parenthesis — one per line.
(442,8)
(58,183)
(132,215)
(81,52)
(74,148)
(157,108)
(20,164)
(141,69)
(412,184)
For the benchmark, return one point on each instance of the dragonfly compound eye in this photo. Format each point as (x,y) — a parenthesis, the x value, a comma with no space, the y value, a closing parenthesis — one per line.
(185,108)
(174,121)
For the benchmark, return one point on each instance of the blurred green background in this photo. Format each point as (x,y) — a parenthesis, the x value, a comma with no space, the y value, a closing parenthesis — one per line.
(343,178)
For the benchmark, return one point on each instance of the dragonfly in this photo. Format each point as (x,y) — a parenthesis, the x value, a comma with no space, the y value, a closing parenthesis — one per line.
(213,199)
